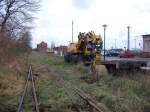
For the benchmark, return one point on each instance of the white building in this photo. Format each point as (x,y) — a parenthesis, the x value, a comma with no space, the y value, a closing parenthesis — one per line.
(146,43)
(146,46)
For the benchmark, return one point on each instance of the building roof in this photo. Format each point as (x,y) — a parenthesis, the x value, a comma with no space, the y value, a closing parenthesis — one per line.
(42,43)
(146,35)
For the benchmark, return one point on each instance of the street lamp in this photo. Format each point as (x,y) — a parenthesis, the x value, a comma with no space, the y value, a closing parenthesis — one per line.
(128,44)
(72,31)
(104,26)
(115,44)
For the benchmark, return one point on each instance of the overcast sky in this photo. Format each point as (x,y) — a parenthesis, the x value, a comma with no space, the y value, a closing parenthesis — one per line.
(54,20)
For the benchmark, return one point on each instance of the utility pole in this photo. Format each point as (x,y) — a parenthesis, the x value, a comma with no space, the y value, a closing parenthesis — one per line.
(104,26)
(72,31)
(135,43)
(128,44)
(115,44)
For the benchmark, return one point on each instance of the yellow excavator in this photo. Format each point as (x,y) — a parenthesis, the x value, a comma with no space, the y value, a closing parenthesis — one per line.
(86,50)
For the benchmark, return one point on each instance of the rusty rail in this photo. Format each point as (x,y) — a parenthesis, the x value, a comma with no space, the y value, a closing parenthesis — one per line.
(92,102)
(29,77)
(97,106)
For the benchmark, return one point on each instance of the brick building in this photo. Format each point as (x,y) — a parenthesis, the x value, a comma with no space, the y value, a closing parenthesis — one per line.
(42,46)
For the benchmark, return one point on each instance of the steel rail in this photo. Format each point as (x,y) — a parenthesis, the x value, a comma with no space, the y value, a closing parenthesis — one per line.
(98,106)
(34,92)
(29,77)
(23,93)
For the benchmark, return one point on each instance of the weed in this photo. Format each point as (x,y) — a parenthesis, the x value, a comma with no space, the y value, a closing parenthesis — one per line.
(127,93)
(10,89)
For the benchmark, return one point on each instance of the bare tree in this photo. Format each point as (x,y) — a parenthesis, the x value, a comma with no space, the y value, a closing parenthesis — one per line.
(16,14)
(25,39)
(15,19)
(1,3)
(24,42)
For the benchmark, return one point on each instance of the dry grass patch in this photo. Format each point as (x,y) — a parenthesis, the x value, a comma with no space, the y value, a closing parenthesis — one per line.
(10,85)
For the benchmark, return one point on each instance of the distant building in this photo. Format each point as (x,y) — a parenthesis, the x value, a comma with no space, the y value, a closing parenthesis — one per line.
(42,47)
(61,50)
(146,45)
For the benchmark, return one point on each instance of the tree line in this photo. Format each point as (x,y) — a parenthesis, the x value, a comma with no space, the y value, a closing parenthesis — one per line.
(16,17)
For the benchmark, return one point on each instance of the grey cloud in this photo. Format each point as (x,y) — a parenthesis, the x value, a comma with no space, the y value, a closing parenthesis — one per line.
(143,7)
(82,4)
(147,8)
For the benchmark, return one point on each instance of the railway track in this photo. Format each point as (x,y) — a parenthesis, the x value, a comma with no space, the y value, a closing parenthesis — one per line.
(99,107)
(29,80)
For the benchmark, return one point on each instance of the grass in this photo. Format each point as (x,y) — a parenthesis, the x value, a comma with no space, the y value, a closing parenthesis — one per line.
(60,64)
(124,95)
(51,92)
(120,94)
(10,89)
(127,93)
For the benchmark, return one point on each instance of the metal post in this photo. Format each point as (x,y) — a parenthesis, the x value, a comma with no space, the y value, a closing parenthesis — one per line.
(104,26)
(135,43)
(72,31)
(128,44)
(115,44)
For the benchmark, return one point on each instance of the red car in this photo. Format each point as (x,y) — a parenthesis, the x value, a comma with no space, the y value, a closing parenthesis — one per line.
(126,54)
